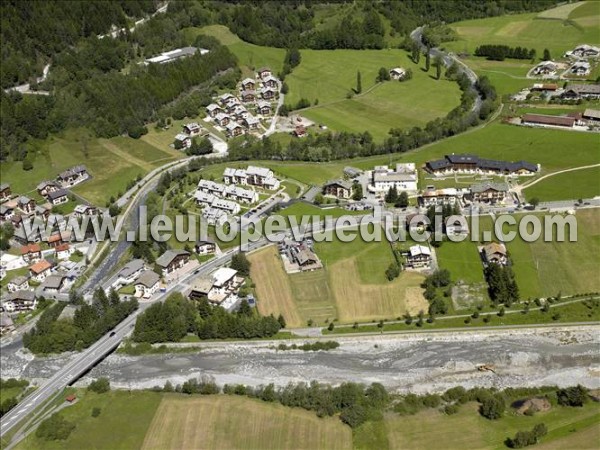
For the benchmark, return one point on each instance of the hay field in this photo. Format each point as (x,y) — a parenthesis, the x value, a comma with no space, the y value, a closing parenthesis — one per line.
(224,422)
(273,286)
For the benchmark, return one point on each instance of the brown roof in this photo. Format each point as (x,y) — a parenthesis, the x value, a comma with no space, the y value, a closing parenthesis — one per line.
(62,247)
(549,120)
(54,238)
(494,247)
(40,267)
(31,248)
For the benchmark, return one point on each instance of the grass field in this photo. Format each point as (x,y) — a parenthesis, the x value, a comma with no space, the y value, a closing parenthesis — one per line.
(468,429)
(328,76)
(224,422)
(531,30)
(583,183)
(351,287)
(112,163)
(122,424)
(462,260)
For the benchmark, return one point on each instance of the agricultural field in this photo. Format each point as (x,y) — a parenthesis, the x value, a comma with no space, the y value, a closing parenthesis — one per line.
(582,184)
(541,268)
(351,287)
(567,426)
(532,30)
(236,422)
(112,163)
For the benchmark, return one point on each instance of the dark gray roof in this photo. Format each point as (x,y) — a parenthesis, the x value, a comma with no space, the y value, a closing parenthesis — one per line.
(131,267)
(464,158)
(342,183)
(57,194)
(482,187)
(22,295)
(4,186)
(165,259)
(53,282)
(486,164)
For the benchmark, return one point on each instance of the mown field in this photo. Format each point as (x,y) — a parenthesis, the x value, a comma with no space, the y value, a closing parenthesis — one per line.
(541,268)
(583,183)
(224,422)
(532,30)
(112,163)
(327,76)
(351,287)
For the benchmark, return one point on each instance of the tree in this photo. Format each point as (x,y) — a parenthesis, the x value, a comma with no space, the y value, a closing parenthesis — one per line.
(572,396)
(284,88)
(281,321)
(357,192)
(534,202)
(402,201)
(240,263)
(383,75)
(319,199)
(427,60)
(392,195)
(547,56)
(331,326)
(358,83)
(55,428)
(492,408)
(244,309)
(100,386)
(438,67)
(203,146)
(416,52)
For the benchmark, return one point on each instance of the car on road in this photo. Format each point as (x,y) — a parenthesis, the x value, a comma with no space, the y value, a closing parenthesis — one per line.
(112,333)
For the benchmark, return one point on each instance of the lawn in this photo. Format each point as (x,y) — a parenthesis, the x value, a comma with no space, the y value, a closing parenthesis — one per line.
(250,56)
(467,429)
(123,422)
(228,422)
(328,76)
(583,183)
(531,30)
(462,260)
(112,163)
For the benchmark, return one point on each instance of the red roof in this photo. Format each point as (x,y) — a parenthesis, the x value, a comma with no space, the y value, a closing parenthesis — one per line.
(54,238)
(31,248)
(71,398)
(62,247)
(549,120)
(40,267)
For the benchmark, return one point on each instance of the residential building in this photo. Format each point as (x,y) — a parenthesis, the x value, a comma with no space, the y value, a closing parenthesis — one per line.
(172,260)
(58,197)
(435,197)
(547,68)
(585,51)
(53,284)
(63,251)
(5,191)
(85,210)
(205,246)
(543,120)
(211,187)
(213,109)
(580,68)
(472,164)
(456,227)
(263,107)
(352,172)
(489,192)
(40,270)
(31,253)
(584,91)
(303,255)
(248,96)
(234,129)
(73,176)
(403,178)
(591,115)
(6,323)
(192,129)
(261,176)
(222,119)
(239,194)
(418,256)
(224,98)
(26,204)
(42,211)
(227,206)
(270,81)
(300,131)
(129,273)
(248,84)
(6,213)
(20,301)
(264,72)
(397,73)
(20,283)
(182,141)
(225,284)
(269,93)
(203,198)
(147,284)
(494,253)
(251,122)
(45,187)
(214,216)
(338,188)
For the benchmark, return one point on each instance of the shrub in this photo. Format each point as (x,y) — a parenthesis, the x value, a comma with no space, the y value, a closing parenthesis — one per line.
(96,412)
(492,408)
(450,409)
(55,428)
(572,396)
(100,386)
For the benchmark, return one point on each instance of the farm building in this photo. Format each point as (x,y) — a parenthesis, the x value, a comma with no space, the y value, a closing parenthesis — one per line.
(543,120)
(585,91)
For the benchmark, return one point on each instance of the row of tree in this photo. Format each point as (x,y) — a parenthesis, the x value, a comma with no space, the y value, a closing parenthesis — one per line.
(89,323)
(501,52)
